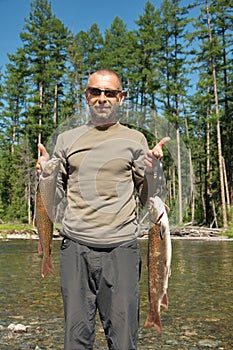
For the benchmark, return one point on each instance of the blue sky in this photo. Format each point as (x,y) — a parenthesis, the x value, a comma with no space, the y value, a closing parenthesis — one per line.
(75,14)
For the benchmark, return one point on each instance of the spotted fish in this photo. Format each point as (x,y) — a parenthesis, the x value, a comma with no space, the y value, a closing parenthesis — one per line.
(44,212)
(159,262)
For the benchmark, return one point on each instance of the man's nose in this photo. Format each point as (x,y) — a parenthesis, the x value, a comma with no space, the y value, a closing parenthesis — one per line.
(102,97)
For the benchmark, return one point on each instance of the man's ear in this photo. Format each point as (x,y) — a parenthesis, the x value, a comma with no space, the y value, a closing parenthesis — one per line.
(86,97)
(122,97)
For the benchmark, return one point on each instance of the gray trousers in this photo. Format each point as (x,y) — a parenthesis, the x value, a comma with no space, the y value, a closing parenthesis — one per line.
(106,280)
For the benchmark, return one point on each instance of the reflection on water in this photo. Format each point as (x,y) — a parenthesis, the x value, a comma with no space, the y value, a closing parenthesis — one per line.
(200,313)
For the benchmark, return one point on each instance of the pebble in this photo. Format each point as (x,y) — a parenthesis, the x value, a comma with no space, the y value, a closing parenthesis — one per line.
(209,343)
(172,342)
(18,328)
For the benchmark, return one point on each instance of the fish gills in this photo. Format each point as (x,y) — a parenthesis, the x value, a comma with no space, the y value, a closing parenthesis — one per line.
(44,212)
(159,259)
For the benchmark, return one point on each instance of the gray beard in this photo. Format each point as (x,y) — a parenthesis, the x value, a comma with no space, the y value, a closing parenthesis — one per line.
(104,118)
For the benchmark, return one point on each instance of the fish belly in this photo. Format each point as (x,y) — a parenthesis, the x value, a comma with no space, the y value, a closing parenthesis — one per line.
(44,226)
(158,273)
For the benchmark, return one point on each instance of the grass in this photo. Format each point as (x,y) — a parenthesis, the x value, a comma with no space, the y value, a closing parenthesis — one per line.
(13,226)
(229,231)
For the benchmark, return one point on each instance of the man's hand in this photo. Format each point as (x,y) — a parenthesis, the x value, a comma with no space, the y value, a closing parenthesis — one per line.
(42,159)
(158,149)
(153,155)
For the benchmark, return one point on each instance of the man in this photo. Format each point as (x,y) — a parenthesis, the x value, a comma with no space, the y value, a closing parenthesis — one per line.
(103,163)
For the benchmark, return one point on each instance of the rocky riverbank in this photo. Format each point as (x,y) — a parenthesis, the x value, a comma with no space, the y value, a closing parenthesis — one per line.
(200,232)
(193,232)
(185,232)
(22,234)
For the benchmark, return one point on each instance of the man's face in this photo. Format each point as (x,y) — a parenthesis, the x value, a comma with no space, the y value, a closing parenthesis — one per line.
(104,104)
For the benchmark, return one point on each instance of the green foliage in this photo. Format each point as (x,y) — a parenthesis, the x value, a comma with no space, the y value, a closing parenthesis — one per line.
(14,227)
(229,231)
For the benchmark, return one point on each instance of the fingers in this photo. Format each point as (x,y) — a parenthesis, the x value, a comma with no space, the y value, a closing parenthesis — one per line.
(43,158)
(163,141)
(38,168)
(158,149)
(43,151)
(150,161)
(155,154)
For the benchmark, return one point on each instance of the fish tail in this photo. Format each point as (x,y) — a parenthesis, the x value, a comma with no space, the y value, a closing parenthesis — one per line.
(164,301)
(153,321)
(47,266)
(40,248)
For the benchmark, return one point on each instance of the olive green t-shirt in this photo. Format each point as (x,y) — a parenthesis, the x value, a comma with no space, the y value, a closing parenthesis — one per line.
(101,170)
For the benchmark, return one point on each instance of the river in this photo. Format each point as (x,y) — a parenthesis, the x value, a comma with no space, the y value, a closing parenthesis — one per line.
(199,316)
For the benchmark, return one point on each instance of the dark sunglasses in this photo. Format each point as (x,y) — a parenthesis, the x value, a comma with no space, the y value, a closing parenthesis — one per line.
(97,92)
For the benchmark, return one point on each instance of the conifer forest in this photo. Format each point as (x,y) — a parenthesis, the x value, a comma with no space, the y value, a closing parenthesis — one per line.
(177,71)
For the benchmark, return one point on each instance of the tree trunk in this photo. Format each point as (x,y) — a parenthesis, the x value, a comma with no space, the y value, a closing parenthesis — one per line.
(40,115)
(224,212)
(208,174)
(192,187)
(55,109)
(179,174)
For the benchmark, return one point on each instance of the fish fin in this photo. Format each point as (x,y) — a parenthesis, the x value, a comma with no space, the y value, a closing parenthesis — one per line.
(164,302)
(161,232)
(153,321)
(47,266)
(40,248)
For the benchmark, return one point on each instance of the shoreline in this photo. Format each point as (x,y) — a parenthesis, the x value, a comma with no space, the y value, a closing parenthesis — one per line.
(183,233)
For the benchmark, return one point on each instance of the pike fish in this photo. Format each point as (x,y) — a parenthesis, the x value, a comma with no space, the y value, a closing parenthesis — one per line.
(44,212)
(159,262)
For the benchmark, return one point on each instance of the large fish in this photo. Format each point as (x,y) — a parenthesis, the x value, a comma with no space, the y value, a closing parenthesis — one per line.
(44,212)
(159,262)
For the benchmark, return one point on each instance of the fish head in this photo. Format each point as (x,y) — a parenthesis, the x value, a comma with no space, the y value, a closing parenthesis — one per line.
(156,208)
(50,167)
(46,189)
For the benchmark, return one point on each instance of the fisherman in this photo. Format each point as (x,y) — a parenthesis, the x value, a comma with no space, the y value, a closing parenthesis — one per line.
(102,164)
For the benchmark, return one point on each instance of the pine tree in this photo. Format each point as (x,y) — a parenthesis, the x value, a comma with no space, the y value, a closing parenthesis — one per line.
(113,55)
(173,80)
(34,86)
(45,39)
(84,56)
(213,68)
(149,45)
(15,92)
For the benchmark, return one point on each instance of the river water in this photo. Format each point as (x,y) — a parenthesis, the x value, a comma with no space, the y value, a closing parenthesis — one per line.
(200,313)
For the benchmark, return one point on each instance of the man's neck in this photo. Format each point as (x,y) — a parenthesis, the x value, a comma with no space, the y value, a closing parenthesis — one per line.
(104,125)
